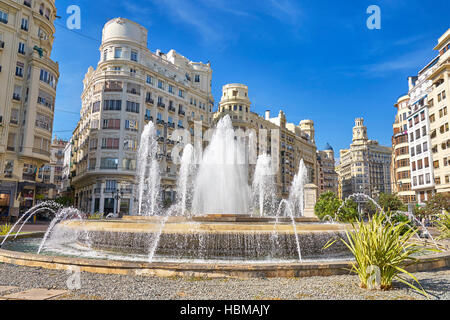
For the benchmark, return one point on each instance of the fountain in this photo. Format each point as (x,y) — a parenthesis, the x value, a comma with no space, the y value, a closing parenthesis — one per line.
(217,218)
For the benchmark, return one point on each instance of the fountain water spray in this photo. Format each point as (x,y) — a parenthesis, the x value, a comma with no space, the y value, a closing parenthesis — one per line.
(184,183)
(48,205)
(264,188)
(221,186)
(296,195)
(148,172)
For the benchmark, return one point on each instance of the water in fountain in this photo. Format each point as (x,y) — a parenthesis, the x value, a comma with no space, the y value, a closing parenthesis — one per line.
(291,213)
(61,215)
(221,185)
(43,206)
(185,178)
(147,171)
(264,193)
(296,193)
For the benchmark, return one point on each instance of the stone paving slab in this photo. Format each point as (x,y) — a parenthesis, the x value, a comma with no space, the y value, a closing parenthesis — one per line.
(6,288)
(35,294)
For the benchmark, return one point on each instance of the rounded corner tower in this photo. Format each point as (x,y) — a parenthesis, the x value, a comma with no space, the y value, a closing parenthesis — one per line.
(121,29)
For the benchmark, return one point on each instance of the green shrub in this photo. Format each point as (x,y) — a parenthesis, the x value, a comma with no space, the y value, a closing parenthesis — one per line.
(398,217)
(377,244)
(4,229)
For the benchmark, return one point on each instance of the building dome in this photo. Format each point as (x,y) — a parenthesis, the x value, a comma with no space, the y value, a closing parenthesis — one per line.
(124,30)
(328,147)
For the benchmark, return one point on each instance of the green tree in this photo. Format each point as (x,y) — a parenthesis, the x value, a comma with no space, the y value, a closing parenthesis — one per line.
(349,212)
(327,204)
(437,203)
(391,202)
(64,201)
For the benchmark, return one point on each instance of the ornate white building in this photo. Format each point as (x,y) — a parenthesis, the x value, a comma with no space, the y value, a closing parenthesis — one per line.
(129,87)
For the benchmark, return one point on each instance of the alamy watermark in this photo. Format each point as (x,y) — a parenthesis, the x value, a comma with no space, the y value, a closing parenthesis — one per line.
(73,22)
(374,20)
(74,280)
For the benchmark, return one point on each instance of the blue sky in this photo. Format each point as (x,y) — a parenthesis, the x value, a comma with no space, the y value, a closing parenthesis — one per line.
(313,59)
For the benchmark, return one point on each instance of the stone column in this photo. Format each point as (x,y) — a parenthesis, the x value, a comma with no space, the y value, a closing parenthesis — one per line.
(310,200)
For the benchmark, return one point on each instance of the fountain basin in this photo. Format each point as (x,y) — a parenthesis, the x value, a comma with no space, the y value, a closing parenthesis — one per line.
(216,239)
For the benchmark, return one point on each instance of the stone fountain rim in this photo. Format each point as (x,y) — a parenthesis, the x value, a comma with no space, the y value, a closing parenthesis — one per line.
(204,270)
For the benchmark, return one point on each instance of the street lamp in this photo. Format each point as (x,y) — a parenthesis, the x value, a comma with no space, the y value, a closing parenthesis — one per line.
(117,194)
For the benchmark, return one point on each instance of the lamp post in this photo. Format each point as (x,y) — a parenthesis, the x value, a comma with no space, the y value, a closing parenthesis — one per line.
(117,194)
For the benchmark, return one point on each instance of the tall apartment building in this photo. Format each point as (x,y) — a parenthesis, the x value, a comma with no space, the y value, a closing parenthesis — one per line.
(439,102)
(327,177)
(291,142)
(28,79)
(130,87)
(365,166)
(400,166)
(52,173)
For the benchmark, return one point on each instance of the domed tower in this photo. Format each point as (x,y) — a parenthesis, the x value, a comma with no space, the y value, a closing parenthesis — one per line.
(235,101)
(329,151)
(359,130)
(307,127)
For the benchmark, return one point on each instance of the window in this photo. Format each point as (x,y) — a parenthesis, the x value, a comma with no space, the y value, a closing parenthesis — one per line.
(112,105)
(110,143)
(418,149)
(3,17)
(425,146)
(197,78)
(171,89)
(411,137)
(43,122)
(149,79)
(418,134)
(427,162)
(93,144)
(436,164)
(48,77)
(413,164)
(118,53)
(24,24)
(424,131)
(160,84)
(132,107)
(130,144)
(19,69)
(432,118)
(96,106)
(129,164)
(113,124)
(419,164)
(181,93)
(131,125)
(134,56)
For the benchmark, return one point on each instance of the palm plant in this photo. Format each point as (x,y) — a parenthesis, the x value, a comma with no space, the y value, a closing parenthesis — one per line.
(4,229)
(444,226)
(384,246)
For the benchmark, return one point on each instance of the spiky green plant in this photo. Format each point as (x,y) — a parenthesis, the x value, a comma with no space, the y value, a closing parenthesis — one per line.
(96,216)
(4,229)
(385,246)
(444,226)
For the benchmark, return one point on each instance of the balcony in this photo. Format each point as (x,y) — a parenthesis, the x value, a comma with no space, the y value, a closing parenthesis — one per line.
(147,118)
(14,121)
(160,122)
(29,176)
(149,101)
(40,151)
(172,109)
(2,45)
(16,97)
(171,125)
(181,113)
(161,139)
(161,105)
(134,91)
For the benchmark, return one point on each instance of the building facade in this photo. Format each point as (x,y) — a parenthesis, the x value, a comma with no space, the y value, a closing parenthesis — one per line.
(286,142)
(28,80)
(52,173)
(400,166)
(365,166)
(439,102)
(327,177)
(130,87)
